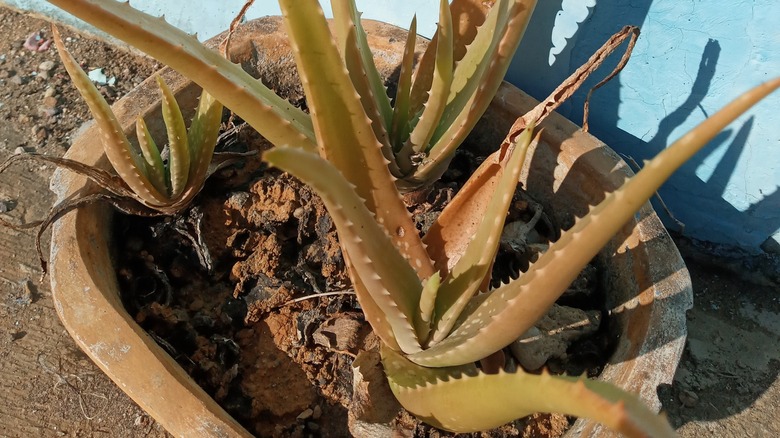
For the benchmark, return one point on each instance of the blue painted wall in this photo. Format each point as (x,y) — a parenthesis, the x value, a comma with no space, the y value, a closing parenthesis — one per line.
(692,58)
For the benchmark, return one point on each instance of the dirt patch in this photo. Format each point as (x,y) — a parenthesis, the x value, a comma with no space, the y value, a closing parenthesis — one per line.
(37,96)
(727,383)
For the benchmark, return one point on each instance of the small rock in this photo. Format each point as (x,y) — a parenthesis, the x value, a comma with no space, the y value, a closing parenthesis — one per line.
(196,304)
(141,421)
(46,66)
(305,415)
(233,312)
(553,335)
(39,133)
(50,92)
(28,293)
(47,112)
(237,200)
(5,74)
(99,77)
(49,106)
(20,150)
(528,350)
(50,102)
(688,399)
(107,92)
(33,41)
(6,206)
(17,80)
(316,413)
(339,333)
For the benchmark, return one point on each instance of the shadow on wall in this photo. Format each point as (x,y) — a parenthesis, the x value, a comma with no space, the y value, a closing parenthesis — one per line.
(691,200)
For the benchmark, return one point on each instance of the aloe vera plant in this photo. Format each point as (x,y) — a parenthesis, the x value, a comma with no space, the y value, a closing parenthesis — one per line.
(425,297)
(155,184)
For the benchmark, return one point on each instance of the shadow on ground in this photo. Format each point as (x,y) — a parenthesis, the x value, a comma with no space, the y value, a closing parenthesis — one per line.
(727,382)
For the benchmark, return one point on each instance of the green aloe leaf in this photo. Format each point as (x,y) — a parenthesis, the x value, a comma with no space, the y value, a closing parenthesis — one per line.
(353,46)
(344,133)
(473,267)
(442,80)
(498,318)
(155,169)
(428,302)
(401,115)
(273,117)
(479,53)
(178,146)
(387,276)
(460,399)
(126,161)
(472,100)
(467,16)
(346,13)
(202,138)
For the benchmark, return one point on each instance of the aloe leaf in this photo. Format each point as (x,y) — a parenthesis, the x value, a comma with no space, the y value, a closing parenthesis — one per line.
(423,78)
(343,130)
(467,16)
(464,114)
(399,130)
(463,400)
(498,318)
(344,11)
(478,55)
(442,80)
(202,138)
(428,301)
(387,276)
(470,73)
(178,147)
(155,169)
(273,117)
(126,161)
(452,231)
(353,46)
(372,312)
(474,266)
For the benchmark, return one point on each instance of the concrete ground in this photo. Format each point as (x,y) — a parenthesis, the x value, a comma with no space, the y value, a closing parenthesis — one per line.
(727,384)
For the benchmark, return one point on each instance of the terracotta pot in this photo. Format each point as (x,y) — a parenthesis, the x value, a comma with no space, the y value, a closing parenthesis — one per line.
(648,287)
